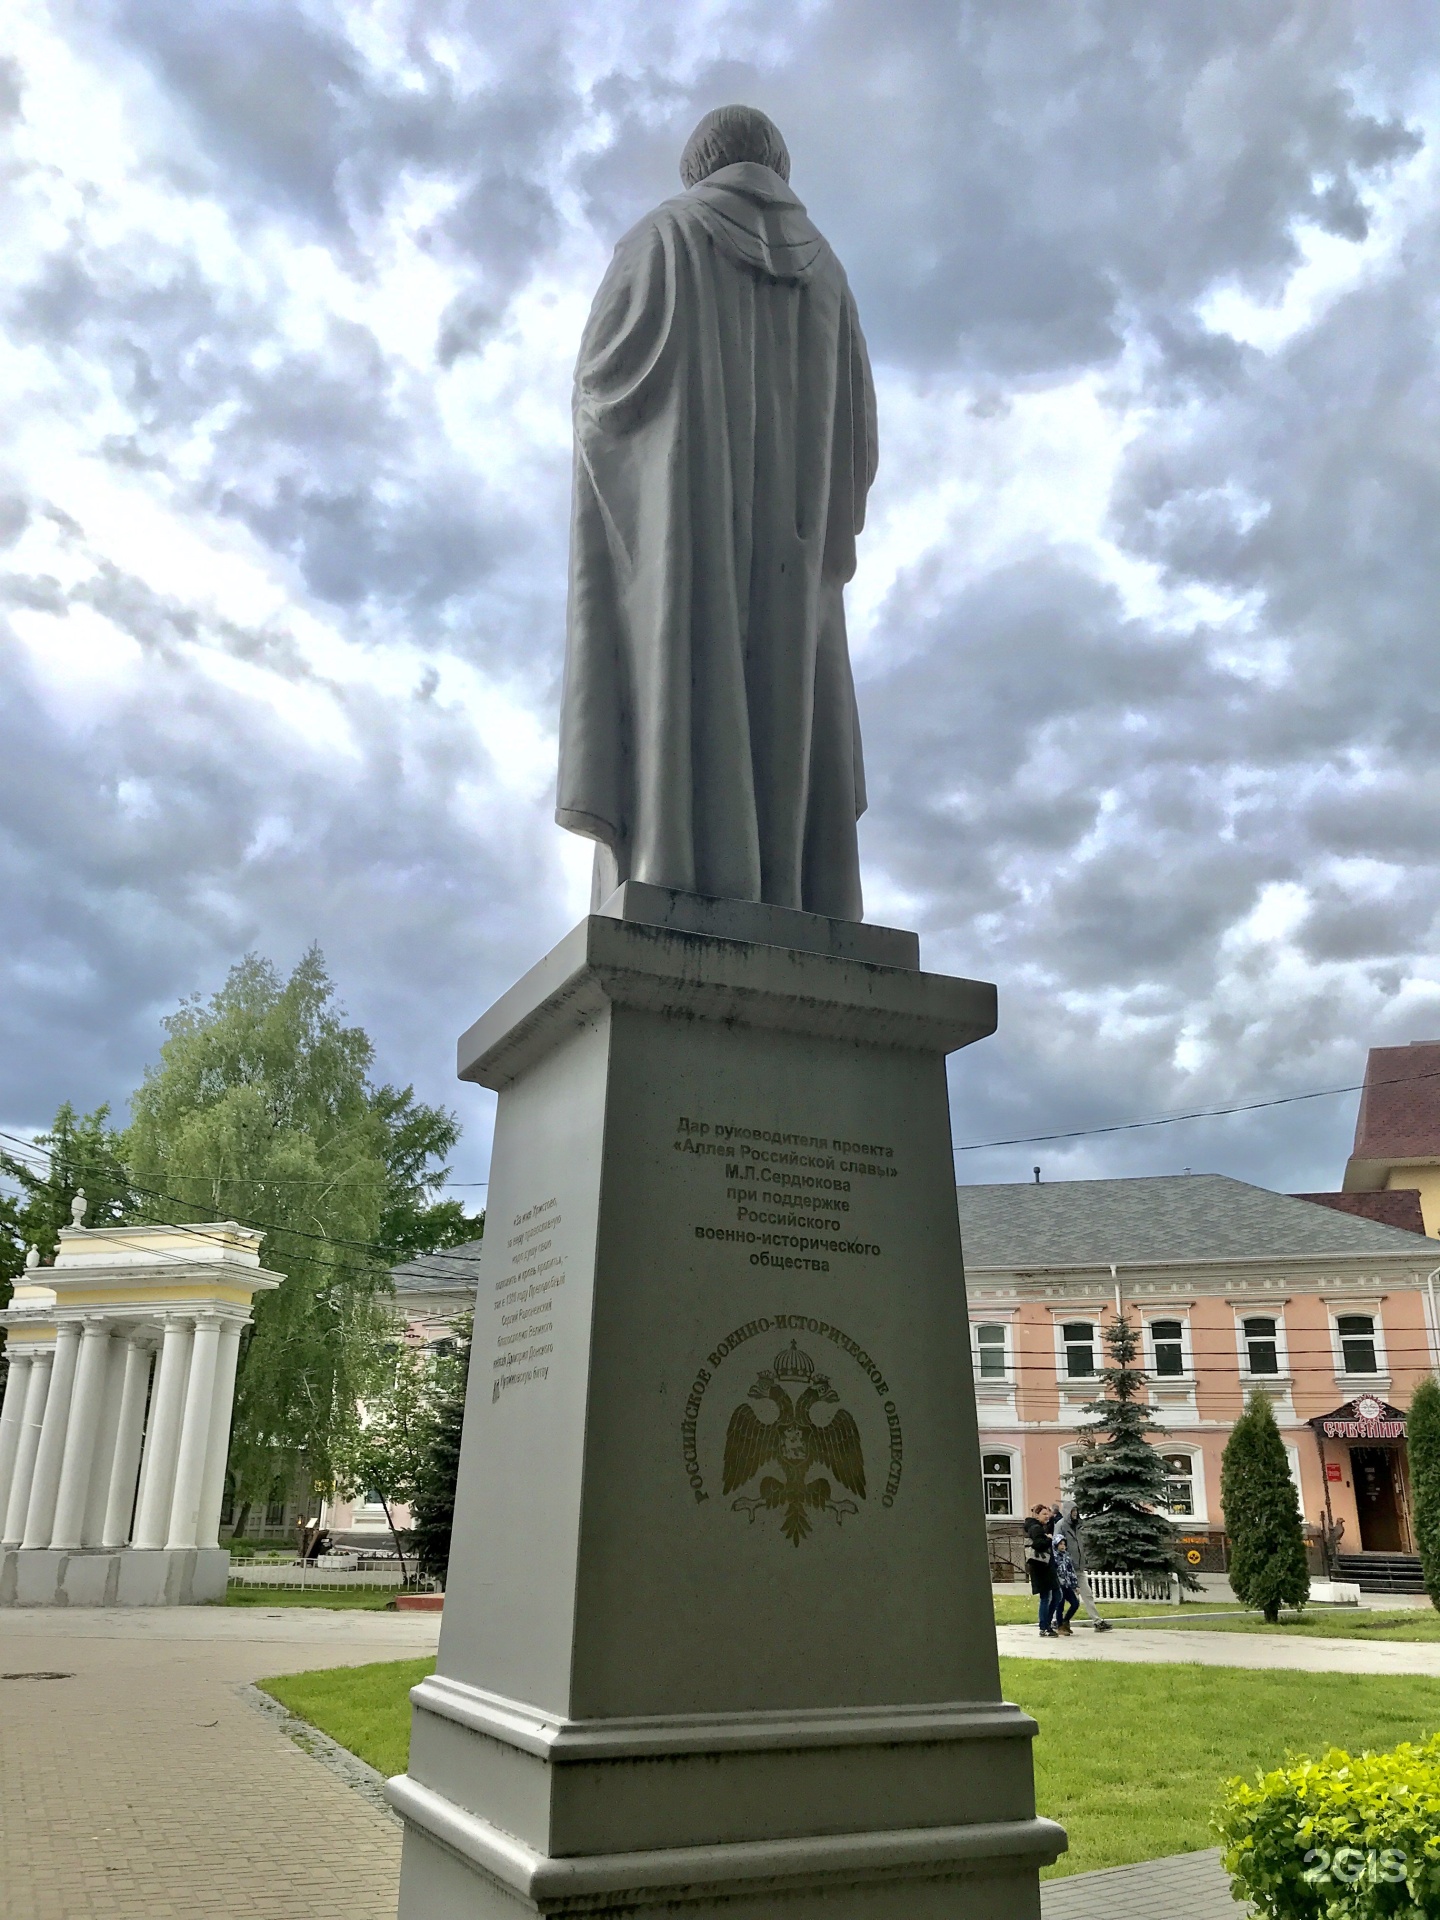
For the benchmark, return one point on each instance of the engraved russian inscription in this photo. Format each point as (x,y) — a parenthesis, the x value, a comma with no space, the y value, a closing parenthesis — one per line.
(791,1196)
(524,1298)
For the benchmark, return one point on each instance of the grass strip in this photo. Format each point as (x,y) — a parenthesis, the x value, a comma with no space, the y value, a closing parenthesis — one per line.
(1339,1623)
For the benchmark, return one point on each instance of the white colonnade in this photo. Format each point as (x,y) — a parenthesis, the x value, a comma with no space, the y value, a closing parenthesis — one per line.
(30,1374)
(71,1460)
(115,1421)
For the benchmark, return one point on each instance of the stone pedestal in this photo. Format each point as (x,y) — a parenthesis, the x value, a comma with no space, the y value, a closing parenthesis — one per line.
(718,1633)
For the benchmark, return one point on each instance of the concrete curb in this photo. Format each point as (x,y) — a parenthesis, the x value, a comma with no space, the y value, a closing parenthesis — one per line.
(346,1765)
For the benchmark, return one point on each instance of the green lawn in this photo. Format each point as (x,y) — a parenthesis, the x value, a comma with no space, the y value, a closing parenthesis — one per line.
(1130,1759)
(1021,1610)
(365,1597)
(366,1709)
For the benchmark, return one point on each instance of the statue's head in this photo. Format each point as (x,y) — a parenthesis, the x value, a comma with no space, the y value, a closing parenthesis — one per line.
(729,134)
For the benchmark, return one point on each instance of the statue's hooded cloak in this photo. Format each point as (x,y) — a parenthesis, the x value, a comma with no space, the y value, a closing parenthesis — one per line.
(724,446)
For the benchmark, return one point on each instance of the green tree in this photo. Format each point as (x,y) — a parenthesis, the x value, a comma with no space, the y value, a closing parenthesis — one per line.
(1262,1515)
(79,1151)
(432,1503)
(382,1453)
(1119,1479)
(262,1110)
(1423,1431)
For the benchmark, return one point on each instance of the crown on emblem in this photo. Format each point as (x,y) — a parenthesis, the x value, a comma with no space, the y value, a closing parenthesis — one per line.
(794,1365)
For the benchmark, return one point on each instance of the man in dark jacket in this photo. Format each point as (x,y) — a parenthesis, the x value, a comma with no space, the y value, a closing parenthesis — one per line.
(1066,1534)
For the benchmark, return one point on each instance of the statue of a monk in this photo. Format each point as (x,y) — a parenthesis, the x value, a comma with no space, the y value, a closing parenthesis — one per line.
(724,446)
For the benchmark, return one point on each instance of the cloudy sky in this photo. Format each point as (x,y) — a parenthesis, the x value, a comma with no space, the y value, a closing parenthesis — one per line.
(1145,621)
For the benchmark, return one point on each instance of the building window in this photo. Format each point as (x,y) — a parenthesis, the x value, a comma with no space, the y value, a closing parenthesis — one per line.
(1168,1340)
(999,1473)
(1079,1339)
(1179,1483)
(1262,1350)
(1357,1343)
(990,1345)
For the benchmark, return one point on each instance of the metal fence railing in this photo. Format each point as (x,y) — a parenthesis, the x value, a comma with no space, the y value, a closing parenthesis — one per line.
(1135,1586)
(313,1577)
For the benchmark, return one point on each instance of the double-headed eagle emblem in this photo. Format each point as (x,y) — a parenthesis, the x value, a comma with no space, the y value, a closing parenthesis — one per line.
(796,1444)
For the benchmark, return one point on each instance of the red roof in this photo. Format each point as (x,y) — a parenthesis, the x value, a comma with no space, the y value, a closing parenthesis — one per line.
(1400,1207)
(1399,1115)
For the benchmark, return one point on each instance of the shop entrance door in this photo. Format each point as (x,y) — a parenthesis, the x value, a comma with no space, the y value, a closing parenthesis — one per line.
(1377,1499)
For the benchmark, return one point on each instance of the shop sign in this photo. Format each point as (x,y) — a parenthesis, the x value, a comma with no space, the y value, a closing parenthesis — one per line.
(1364,1419)
(1333,1470)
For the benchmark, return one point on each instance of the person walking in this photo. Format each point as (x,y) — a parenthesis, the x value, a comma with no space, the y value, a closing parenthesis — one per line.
(1067,1537)
(1040,1565)
(1067,1582)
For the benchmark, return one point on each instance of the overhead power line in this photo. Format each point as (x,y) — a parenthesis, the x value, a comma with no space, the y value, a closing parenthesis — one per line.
(1200,1113)
(39,1156)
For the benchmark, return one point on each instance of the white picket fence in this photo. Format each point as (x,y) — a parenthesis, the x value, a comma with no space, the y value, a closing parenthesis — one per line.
(309,1576)
(1136,1586)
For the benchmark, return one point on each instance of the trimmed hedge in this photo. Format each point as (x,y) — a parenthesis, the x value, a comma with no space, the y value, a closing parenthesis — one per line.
(1343,1838)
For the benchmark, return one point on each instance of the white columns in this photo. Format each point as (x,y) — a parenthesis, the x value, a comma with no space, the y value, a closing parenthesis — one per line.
(82,1429)
(32,1417)
(217,1447)
(120,1501)
(162,1437)
(50,1455)
(92,1533)
(16,1381)
(194,1433)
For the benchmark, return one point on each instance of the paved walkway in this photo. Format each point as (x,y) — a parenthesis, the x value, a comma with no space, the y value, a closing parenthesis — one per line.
(141,1787)
(1303,1654)
(1187,1886)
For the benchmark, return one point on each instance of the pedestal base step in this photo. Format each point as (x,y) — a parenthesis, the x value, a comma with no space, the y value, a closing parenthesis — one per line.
(112,1576)
(456,1864)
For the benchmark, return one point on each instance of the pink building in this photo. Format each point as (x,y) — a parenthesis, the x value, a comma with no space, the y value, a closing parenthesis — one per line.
(1330,1314)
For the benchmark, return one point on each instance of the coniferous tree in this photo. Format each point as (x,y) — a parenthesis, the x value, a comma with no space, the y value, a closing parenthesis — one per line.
(1423,1428)
(1119,1479)
(432,1505)
(1268,1569)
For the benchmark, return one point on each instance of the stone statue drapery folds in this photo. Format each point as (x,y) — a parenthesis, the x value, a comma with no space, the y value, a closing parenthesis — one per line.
(724,445)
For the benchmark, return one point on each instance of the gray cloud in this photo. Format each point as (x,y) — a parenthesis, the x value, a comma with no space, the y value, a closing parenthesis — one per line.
(1176,795)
